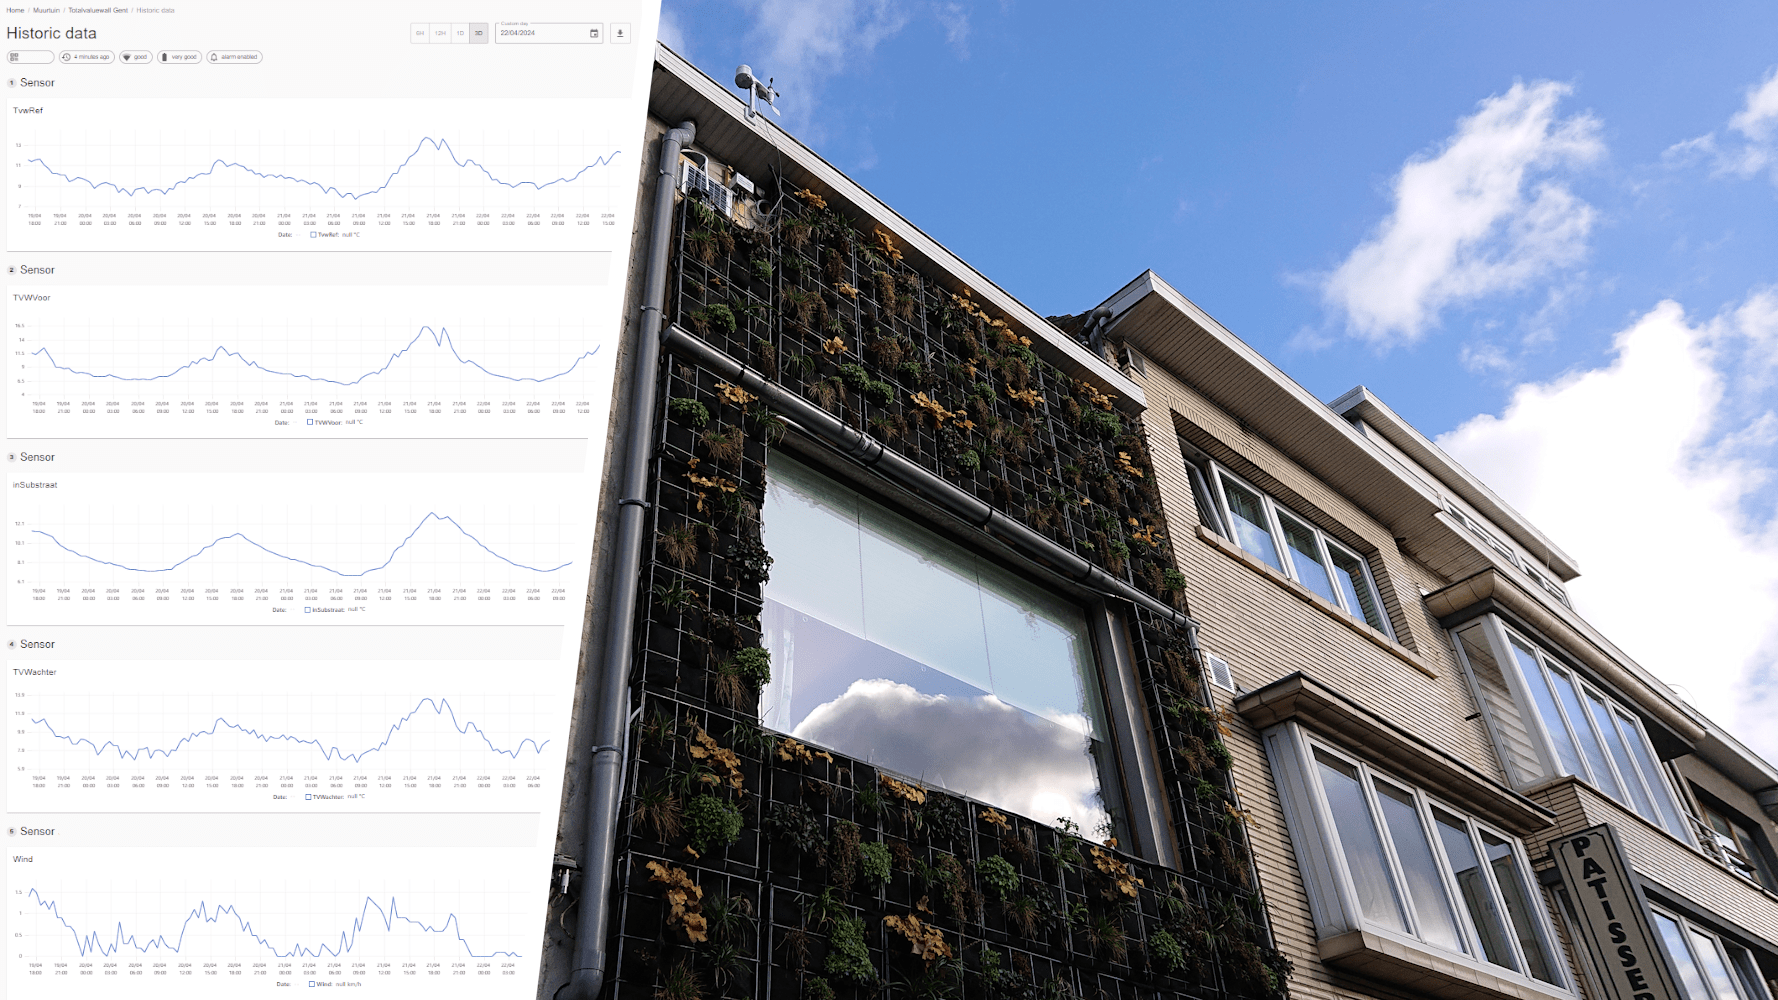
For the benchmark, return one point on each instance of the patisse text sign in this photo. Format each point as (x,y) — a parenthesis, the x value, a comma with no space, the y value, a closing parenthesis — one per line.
(1613,920)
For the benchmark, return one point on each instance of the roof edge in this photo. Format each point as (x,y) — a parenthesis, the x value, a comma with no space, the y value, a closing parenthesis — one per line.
(913,237)
(1360,402)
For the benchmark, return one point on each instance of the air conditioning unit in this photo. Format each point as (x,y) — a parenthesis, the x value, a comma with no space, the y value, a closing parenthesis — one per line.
(695,181)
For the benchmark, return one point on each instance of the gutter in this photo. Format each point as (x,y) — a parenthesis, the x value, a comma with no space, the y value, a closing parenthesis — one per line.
(606,701)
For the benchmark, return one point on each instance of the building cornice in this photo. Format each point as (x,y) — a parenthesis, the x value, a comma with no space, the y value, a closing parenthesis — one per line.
(1304,699)
(1364,405)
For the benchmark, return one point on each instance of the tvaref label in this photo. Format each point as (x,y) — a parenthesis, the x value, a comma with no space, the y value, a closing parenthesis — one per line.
(1613,920)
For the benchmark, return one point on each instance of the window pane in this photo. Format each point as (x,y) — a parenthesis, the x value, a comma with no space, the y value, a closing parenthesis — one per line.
(1251,532)
(1359,842)
(1426,889)
(1514,728)
(1305,558)
(1752,983)
(1751,858)
(1620,755)
(1519,903)
(1716,971)
(1583,731)
(1355,587)
(1466,867)
(1207,513)
(1690,976)
(1646,759)
(1566,754)
(892,644)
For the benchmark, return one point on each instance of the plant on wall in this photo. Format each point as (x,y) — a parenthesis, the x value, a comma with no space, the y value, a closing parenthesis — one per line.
(847,955)
(710,823)
(873,861)
(945,378)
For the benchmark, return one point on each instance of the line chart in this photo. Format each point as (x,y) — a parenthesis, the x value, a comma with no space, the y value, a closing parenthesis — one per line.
(440,338)
(439,707)
(437,144)
(89,942)
(424,521)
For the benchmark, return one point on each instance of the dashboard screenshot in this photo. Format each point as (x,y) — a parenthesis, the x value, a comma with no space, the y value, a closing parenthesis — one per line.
(312,315)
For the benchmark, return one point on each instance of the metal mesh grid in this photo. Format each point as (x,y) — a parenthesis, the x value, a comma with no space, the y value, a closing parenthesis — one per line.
(1079,934)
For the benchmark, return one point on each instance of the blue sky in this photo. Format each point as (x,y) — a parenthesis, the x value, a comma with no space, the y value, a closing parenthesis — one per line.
(1548,233)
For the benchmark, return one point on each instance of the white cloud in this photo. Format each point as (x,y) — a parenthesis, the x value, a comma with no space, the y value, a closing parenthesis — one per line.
(1482,215)
(1643,470)
(1753,149)
(954,18)
(981,746)
(804,42)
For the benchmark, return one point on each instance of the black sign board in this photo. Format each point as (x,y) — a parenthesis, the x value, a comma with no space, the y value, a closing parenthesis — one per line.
(1614,921)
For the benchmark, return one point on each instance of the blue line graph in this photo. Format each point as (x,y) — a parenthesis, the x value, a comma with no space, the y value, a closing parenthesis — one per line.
(205,913)
(437,144)
(440,338)
(429,518)
(440,707)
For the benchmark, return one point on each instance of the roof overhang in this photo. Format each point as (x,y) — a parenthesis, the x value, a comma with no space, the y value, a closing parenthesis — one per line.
(760,148)
(1302,698)
(1363,404)
(1172,330)
(1575,638)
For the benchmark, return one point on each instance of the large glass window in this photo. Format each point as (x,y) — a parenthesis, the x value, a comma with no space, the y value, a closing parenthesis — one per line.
(1709,967)
(1293,547)
(1423,868)
(1479,897)
(892,644)
(1613,751)
(1253,529)
(1366,863)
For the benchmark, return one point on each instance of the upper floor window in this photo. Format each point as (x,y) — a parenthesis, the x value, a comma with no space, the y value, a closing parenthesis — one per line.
(1506,552)
(1733,840)
(895,645)
(1289,544)
(1546,720)
(1406,863)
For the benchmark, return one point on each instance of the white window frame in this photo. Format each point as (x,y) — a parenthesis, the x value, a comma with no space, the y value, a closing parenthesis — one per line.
(1503,637)
(1324,545)
(1747,988)
(1507,552)
(1333,895)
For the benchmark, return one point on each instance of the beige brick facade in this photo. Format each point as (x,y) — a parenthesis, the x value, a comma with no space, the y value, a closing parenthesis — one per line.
(1267,627)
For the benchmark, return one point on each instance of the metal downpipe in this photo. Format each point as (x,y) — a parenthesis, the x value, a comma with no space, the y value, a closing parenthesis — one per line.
(606,705)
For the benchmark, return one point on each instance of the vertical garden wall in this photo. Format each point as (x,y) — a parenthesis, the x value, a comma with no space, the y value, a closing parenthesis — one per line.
(753,866)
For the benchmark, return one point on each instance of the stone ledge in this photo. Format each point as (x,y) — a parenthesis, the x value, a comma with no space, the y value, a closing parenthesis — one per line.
(1430,972)
(1316,601)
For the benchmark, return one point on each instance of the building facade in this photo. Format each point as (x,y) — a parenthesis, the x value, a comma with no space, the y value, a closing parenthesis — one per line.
(945,649)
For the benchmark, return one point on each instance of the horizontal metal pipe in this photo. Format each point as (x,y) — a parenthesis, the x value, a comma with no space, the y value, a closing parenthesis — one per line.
(874,455)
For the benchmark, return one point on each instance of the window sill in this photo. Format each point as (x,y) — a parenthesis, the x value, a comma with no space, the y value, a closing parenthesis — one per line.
(1428,971)
(1316,601)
